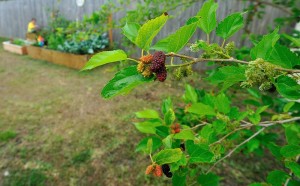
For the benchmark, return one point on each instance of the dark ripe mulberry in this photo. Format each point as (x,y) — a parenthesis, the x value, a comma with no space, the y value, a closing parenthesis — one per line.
(162,75)
(158,61)
(166,170)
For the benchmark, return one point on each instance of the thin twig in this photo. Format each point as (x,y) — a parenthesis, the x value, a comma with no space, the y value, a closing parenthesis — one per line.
(233,60)
(270,123)
(233,150)
(224,137)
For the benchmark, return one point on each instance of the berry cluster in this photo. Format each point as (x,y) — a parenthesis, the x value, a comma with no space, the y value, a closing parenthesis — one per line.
(175,128)
(143,66)
(158,66)
(155,169)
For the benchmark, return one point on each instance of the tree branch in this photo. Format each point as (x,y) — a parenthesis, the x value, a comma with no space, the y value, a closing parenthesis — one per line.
(233,60)
(233,150)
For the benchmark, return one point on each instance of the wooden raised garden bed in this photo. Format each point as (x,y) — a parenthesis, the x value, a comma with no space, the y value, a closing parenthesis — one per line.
(8,46)
(67,59)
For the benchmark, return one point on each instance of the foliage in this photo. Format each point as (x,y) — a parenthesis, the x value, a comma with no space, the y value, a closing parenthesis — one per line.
(19,42)
(82,37)
(211,125)
(7,135)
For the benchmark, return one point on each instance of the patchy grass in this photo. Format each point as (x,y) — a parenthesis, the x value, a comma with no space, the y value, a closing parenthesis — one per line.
(7,135)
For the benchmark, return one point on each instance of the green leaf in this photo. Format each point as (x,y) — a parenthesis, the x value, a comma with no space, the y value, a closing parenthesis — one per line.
(277,177)
(222,103)
(207,131)
(198,153)
(182,162)
(295,167)
(105,57)
(149,30)
(190,94)
(288,87)
(201,109)
(208,14)
(148,127)
(264,48)
(179,179)
(228,75)
(147,114)
(130,30)
(168,141)
(275,150)
(142,146)
(253,144)
(149,146)
(177,40)
(166,105)
(290,151)
(167,156)
(169,117)
(163,131)
(123,82)
(287,106)
(230,25)
(283,56)
(185,134)
(296,41)
(209,179)
(292,134)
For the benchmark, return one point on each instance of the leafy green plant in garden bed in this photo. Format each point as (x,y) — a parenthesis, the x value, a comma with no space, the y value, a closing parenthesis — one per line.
(186,143)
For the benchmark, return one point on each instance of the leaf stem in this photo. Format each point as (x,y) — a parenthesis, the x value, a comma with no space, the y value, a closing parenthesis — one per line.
(142,53)
(223,43)
(207,35)
(132,59)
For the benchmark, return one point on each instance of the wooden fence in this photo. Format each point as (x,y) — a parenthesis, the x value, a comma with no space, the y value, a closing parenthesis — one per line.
(15,15)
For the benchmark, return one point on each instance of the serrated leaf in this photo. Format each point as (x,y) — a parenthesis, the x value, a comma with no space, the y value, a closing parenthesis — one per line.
(185,134)
(167,156)
(179,179)
(264,48)
(149,146)
(208,14)
(192,20)
(168,141)
(283,56)
(169,117)
(149,30)
(277,177)
(201,109)
(162,131)
(182,162)
(288,87)
(130,30)
(147,114)
(142,146)
(166,105)
(198,153)
(209,179)
(296,41)
(123,82)
(228,75)
(287,106)
(148,127)
(177,40)
(290,151)
(190,94)
(292,134)
(230,25)
(222,103)
(105,57)
(295,167)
